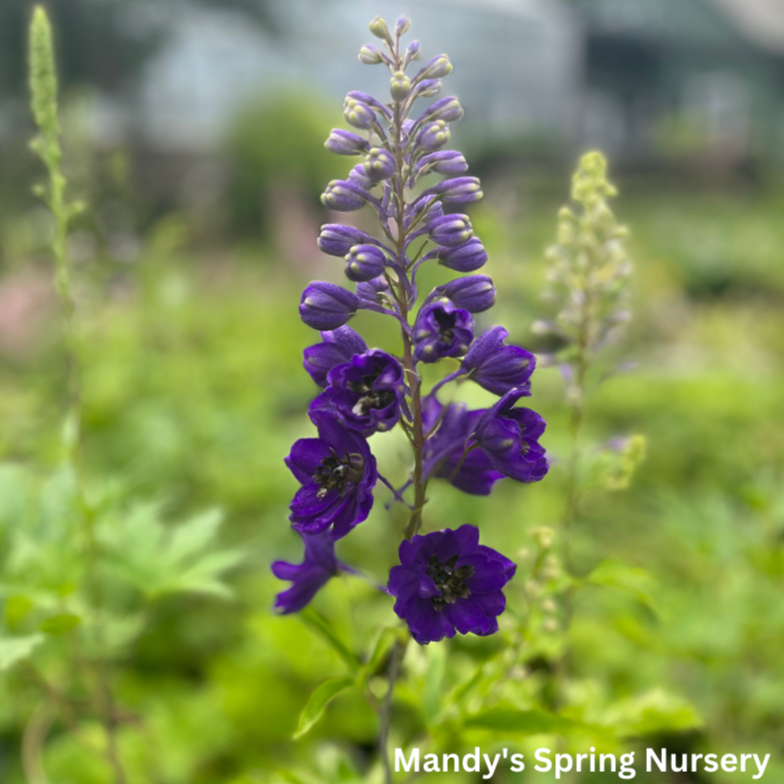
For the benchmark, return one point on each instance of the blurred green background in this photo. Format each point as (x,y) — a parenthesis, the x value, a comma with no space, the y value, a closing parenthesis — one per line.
(189,266)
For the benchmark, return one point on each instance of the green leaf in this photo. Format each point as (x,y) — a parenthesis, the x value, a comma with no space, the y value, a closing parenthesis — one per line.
(508,719)
(60,624)
(383,648)
(16,609)
(321,626)
(16,649)
(632,580)
(318,702)
(651,713)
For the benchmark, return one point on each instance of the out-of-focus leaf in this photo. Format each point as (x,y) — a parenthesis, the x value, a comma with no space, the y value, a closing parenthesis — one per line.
(434,678)
(318,702)
(382,650)
(654,712)
(16,609)
(631,579)
(508,719)
(158,559)
(16,649)
(60,624)
(321,626)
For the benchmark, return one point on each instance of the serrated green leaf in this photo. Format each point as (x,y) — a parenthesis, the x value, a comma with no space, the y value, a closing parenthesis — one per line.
(631,579)
(318,702)
(16,649)
(60,624)
(321,626)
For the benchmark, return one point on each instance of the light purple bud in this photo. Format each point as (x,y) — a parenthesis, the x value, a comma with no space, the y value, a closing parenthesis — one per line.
(346,143)
(358,114)
(337,347)
(412,53)
(359,179)
(450,230)
(327,306)
(474,293)
(468,257)
(427,88)
(459,190)
(365,262)
(402,26)
(444,162)
(437,68)
(433,135)
(337,239)
(446,109)
(379,164)
(343,196)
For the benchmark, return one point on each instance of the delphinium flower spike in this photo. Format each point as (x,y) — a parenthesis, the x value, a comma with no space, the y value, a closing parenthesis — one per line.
(446,582)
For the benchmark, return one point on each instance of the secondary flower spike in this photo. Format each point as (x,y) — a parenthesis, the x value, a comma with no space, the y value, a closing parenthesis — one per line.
(447,582)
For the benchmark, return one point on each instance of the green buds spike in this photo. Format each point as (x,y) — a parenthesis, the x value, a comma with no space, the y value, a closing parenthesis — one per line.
(43,81)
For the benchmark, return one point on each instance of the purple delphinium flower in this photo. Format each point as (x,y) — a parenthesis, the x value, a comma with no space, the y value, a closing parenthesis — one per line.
(510,435)
(337,346)
(496,367)
(366,393)
(307,578)
(447,582)
(450,453)
(337,473)
(442,330)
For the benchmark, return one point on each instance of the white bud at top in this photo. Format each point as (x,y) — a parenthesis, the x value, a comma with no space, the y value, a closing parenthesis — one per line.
(380,29)
(402,26)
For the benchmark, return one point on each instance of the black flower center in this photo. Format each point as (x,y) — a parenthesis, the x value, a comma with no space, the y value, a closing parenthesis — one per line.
(448,580)
(370,398)
(446,325)
(335,472)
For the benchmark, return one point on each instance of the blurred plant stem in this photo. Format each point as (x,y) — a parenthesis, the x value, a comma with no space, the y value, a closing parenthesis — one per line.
(396,659)
(47,145)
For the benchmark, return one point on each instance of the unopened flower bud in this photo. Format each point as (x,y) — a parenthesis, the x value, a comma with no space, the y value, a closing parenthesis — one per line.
(450,230)
(399,87)
(365,262)
(359,179)
(437,68)
(346,143)
(379,164)
(459,190)
(444,162)
(327,306)
(358,114)
(343,196)
(496,367)
(337,239)
(433,135)
(549,605)
(402,26)
(380,29)
(428,88)
(446,109)
(474,293)
(376,290)
(412,53)
(369,55)
(468,257)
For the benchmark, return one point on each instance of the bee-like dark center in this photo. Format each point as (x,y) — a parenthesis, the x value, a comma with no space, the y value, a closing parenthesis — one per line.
(370,398)
(448,580)
(446,325)
(335,472)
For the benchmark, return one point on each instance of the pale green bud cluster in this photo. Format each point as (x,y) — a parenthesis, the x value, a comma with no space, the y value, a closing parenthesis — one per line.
(399,87)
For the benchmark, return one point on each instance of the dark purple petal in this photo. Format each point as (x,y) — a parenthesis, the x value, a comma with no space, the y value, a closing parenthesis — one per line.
(442,330)
(307,578)
(447,582)
(468,257)
(338,346)
(337,239)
